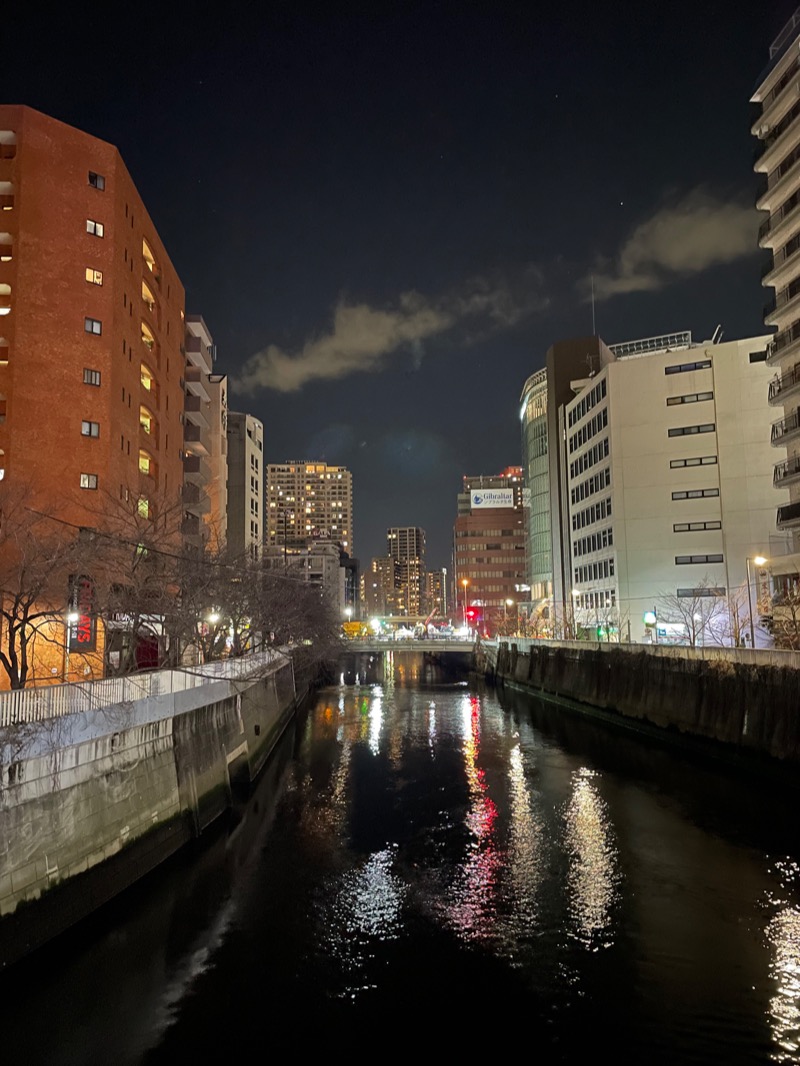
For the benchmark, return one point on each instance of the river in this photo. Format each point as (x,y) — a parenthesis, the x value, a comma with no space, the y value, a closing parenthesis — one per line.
(433,868)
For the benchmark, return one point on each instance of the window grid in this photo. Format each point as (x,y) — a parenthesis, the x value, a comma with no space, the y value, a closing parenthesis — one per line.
(88,481)
(687,431)
(93,325)
(694,494)
(91,377)
(694,527)
(697,460)
(90,429)
(95,228)
(94,277)
(692,397)
(683,368)
(687,560)
(97,181)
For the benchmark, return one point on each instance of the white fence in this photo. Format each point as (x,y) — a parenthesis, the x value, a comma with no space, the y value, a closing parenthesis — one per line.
(52,701)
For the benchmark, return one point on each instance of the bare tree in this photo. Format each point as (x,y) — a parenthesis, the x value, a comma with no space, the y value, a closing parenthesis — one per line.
(37,561)
(699,614)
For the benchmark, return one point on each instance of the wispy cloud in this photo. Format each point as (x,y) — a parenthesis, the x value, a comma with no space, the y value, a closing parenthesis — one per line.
(361,338)
(680,239)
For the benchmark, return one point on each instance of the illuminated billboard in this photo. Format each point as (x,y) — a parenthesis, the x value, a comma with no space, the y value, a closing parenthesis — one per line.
(480,499)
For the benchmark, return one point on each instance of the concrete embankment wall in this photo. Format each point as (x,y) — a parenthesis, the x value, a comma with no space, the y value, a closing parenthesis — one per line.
(749,709)
(80,821)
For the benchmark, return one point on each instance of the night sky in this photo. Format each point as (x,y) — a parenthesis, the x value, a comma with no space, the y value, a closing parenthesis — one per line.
(387,214)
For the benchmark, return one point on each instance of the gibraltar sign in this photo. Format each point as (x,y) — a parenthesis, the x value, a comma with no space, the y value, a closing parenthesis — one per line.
(485,498)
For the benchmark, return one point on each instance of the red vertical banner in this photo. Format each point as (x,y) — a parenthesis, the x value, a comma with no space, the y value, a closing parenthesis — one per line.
(763,591)
(83,629)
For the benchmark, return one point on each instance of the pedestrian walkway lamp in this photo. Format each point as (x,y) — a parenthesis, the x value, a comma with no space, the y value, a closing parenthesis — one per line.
(759,560)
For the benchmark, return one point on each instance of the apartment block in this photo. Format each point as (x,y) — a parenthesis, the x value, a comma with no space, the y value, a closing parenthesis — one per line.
(307,501)
(91,327)
(778,162)
(406,545)
(245,485)
(204,441)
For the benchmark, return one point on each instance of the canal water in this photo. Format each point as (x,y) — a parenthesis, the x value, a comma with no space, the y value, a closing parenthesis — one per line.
(433,868)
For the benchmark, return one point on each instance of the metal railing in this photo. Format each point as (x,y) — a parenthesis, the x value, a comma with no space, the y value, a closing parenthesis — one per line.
(53,701)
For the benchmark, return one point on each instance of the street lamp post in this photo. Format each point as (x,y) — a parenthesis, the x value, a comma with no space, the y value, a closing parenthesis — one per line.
(72,618)
(759,560)
(465,582)
(506,605)
(574,624)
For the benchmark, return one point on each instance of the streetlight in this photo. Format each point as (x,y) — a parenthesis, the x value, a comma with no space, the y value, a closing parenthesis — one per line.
(574,626)
(759,560)
(506,605)
(465,582)
(72,618)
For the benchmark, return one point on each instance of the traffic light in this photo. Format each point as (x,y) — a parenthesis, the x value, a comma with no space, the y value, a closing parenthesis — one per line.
(472,614)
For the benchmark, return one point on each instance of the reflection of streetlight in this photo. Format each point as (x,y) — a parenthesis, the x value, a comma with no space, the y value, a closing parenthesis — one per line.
(759,560)
(464,582)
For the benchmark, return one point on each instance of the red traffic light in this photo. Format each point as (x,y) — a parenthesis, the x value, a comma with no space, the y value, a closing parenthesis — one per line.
(471,613)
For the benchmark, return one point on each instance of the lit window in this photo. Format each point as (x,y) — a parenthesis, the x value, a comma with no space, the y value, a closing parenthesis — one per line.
(91,377)
(90,429)
(5,299)
(148,297)
(97,181)
(94,277)
(145,420)
(88,481)
(149,258)
(92,325)
(147,337)
(143,507)
(146,377)
(95,228)
(145,462)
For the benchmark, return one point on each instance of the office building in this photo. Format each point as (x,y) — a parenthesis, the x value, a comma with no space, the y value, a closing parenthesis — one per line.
(489,562)
(309,501)
(245,485)
(668,488)
(381,584)
(436,601)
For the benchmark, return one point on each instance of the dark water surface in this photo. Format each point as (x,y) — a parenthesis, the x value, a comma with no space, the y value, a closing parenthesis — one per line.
(446,872)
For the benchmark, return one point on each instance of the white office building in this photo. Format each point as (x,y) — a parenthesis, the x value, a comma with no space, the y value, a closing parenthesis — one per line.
(668,460)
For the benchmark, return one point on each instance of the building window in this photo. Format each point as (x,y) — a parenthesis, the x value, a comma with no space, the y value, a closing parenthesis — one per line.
(93,325)
(94,277)
(97,181)
(91,377)
(703,590)
(697,460)
(687,560)
(759,357)
(694,527)
(90,429)
(143,507)
(694,494)
(95,228)
(88,481)
(683,368)
(687,431)
(692,397)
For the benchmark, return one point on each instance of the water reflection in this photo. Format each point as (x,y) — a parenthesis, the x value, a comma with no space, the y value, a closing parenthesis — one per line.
(783,936)
(593,874)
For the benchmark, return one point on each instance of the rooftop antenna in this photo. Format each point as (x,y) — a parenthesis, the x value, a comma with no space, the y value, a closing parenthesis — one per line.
(717,335)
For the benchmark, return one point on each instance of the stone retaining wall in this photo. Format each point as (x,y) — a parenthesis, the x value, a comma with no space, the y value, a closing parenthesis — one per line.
(82,821)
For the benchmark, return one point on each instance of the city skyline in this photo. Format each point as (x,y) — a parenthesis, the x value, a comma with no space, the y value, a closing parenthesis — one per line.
(386,221)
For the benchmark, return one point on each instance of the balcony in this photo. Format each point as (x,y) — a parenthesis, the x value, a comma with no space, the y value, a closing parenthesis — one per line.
(198,355)
(784,345)
(785,304)
(785,430)
(191,525)
(786,180)
(197,439)
(194,382)
(194,499)
(787,472)
(783,387)
(196,469)
(196,411)
(789,516)
(781,139)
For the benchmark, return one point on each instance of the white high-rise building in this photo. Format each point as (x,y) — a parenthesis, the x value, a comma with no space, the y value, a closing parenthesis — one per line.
(778,129)
(669,486)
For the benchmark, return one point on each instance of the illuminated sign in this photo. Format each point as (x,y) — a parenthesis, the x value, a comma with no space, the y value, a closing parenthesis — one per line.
(480,499)
(83,631)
